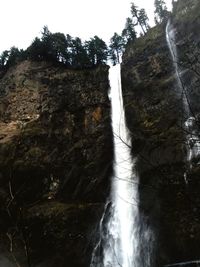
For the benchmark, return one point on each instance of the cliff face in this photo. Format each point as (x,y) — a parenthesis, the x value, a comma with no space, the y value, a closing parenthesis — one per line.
(56,151)
(55,161)
(155,115)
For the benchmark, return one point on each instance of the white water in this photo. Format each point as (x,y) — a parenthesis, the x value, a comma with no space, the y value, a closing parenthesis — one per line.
(170,36)
(192,138)
(185,263)
(123,226)
(120,238)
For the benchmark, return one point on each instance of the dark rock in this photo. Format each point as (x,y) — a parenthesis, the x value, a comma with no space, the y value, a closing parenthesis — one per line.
(154,112)
(56,156)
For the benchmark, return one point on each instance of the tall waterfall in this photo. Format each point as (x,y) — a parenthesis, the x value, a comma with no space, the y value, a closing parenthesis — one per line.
(120,227)
(122,248)
(192,138)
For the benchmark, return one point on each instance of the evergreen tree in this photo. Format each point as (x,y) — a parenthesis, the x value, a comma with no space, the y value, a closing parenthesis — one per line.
(101,50)
(36,50)
(79,57)
(69,50)
(113,57)
(15,56)
(47,40)
(116,48)
(129,33)
(143,19)
(59,47)
(44,45)
(97,51)
(90,47)
(160,12)
(136,14)
(3,59)
(51,46)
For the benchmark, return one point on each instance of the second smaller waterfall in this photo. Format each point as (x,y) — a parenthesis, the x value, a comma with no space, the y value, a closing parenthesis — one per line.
(190,125)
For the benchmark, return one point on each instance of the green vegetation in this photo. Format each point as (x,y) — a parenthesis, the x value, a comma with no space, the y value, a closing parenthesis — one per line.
(161,13)
(59,48)
(71,52)
(119,42)
(140,17)
(116,47)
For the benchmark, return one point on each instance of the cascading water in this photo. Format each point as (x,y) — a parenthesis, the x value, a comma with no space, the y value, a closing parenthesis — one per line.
(120,226)
(192,139)
(170,36)
(122,248)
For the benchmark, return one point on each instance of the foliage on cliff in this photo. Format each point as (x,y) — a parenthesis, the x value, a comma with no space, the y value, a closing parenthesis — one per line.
(59,48)
(71,52)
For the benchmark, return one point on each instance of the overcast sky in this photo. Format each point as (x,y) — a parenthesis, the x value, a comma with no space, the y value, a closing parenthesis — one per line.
(22,20)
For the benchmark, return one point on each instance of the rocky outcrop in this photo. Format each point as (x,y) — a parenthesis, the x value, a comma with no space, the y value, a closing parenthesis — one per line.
(169,203)
(55,161)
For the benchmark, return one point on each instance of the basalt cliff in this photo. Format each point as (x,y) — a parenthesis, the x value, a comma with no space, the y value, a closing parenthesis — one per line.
(169,188)
(55,161)
(56,151)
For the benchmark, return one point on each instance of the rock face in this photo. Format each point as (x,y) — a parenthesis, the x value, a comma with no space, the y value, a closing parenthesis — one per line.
(55,162)
(169,203)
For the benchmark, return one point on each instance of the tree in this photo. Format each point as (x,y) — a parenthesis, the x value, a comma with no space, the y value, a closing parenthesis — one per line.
(15,56)
(49,53)
(129,33)
(97,51)
(90,47)
(46,45)
(160,12)
(79,57)
(143,19)
(140,17)
(4,58)
(51,46)
(59,47)
(101,50)
(116,47)
(68,56)
(36,51)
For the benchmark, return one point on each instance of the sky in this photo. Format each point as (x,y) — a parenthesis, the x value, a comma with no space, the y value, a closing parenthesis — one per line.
(22,20)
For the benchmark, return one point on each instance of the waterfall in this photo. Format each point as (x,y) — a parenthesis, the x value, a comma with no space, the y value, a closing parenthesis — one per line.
(120,226)
(190,125)
(170,36)
(122,248)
